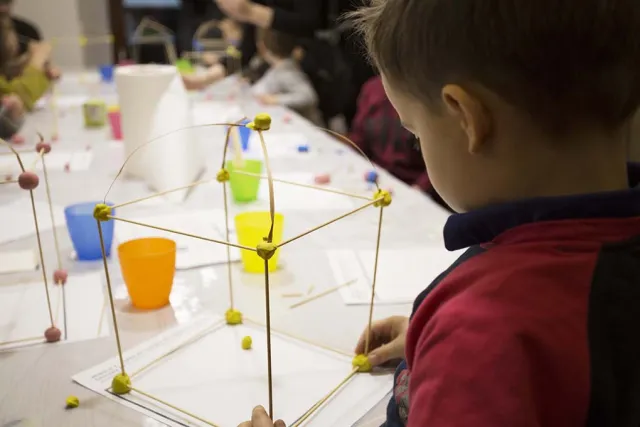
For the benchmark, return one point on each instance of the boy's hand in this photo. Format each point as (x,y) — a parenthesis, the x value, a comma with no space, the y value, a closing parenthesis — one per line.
(259,418)
(268,99)
(386,341)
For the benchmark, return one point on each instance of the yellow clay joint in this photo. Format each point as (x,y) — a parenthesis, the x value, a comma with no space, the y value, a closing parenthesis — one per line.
(222,175)
(382,198)
(101,212)
(233,317)
(121,384)
(362,363)
(261,121)
(266,250)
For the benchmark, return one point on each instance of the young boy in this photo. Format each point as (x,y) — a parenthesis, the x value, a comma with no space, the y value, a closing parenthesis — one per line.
(378,132)
(284,83)
(523,114)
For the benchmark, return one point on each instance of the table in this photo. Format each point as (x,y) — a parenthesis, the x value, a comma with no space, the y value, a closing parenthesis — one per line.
(35,382)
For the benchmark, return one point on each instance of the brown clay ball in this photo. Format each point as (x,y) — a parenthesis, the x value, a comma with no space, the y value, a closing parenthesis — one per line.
(60,277)
(52,334)
(28,180)
(43,146)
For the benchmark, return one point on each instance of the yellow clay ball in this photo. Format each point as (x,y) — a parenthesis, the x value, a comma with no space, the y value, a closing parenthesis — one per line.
(73,402)
(246,343)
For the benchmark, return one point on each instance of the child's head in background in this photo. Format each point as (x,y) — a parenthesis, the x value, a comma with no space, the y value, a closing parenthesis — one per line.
(511,101)
(275,45)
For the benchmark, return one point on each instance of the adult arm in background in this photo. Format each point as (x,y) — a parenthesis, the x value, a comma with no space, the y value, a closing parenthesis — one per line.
(302,19)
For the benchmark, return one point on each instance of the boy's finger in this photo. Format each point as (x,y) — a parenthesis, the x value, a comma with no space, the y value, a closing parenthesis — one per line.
(386,352)
(260,418)
(279,423)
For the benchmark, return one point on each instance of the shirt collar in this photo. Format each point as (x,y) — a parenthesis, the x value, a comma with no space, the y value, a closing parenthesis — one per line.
(483,225)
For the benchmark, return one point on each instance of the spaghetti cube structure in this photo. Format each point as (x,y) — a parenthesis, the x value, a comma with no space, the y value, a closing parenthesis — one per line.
(29,180)
(123,383)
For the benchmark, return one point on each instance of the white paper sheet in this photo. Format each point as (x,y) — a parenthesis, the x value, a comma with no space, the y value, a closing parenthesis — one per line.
(56,161)
(154,105)
(402,273)
(216,369)
(18,261)
(18,215)
(281,145)
(191,252)
(24,313)
(293,197)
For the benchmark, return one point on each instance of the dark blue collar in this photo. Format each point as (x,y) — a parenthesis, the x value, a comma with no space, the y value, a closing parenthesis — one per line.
(483,225)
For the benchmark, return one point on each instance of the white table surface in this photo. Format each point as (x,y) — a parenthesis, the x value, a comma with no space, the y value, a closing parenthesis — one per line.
(35,382)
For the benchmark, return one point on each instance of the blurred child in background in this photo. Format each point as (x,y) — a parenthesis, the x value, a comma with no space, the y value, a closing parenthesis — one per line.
(284,83)
(25,74)
(379,133)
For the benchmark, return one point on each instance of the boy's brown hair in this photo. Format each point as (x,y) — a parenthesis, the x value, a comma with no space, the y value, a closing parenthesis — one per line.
(278,43)
(564,62)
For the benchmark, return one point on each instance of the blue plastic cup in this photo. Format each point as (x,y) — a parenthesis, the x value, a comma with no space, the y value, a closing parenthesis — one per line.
(245,135)
(106,73)
(83,231)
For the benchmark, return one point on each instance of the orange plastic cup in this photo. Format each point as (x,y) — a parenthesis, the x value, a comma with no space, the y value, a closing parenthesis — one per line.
(148,266)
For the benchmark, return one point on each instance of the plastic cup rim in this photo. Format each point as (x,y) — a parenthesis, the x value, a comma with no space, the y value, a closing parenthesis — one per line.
(147,255)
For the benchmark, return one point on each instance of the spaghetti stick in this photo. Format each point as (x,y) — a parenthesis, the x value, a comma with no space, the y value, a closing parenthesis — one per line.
(168,230)
(323,293)
(238,161)
(310,186)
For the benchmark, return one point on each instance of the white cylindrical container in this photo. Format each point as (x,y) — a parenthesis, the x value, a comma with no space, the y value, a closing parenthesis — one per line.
(154,104)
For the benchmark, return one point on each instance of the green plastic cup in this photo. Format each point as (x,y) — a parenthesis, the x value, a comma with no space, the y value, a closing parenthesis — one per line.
(244,188)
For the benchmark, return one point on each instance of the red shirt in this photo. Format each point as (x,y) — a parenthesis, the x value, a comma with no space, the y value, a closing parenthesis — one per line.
(538,327)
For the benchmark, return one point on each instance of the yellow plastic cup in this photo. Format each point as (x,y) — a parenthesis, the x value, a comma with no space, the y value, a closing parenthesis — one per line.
(148,266)
(252,228)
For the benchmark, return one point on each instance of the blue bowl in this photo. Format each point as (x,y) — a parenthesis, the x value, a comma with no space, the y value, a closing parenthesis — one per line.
(83,230)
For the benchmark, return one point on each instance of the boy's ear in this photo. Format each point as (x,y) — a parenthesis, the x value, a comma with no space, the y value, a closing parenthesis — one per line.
(471,112)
